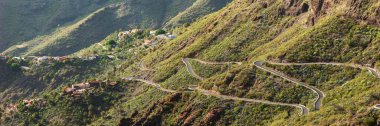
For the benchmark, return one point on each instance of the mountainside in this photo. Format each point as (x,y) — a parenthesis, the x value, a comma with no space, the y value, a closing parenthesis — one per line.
(23,19)
(100,23)
(97,25)
(253,62)
(198,9)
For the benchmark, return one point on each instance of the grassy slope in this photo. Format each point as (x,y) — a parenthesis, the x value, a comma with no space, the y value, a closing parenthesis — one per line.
(96,26)
(22,19)
(233,34)
(255,32)
(198,9)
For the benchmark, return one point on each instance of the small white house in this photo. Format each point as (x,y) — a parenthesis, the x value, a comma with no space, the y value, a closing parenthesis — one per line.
(170,36)
(25,68)
(153,32)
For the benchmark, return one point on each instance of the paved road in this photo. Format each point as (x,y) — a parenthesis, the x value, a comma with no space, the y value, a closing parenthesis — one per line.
(215,63)
(377,106)
(370,69)
(190,69)
(320,94)
(304,110)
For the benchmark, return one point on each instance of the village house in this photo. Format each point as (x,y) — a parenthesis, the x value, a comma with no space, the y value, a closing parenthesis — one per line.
(113,83)
(123,34)
(25,68)
(55,58)
(80,86)
(9,108)
(170,36)
(28,102)
(153,32)
(127,79)
(34,102)
(111,57)
(63,58)
(92,58)
(162,37)
(18,58)
(43,59)
(147,42)
(78,89)
(68,90)
(134,31)
(78,93)
(167,36)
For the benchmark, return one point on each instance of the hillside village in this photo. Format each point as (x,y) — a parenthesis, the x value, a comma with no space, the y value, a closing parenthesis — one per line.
(13,107)
(76,90)
(157,34)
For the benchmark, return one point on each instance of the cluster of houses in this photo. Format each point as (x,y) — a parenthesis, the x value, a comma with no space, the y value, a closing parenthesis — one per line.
(163,36)
(166,36)
(76,90)
(51,59)
(9,108)
(122,35)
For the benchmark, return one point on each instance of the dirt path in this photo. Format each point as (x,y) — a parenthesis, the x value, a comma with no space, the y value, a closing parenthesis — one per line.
(372,70)
(320,94)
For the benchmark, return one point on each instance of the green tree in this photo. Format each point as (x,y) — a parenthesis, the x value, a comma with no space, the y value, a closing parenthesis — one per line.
(160,32)
(15,66)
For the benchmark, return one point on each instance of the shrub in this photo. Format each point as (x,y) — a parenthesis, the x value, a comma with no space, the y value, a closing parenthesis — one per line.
(160,32)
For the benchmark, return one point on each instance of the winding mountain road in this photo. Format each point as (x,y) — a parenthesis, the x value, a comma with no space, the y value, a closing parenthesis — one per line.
(304,110)
(190,69)
(215,63)
(370,69)
(320,94)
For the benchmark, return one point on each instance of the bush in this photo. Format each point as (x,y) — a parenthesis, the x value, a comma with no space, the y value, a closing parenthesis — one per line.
(160,32)
(186,25)
(111,42)
(15,66)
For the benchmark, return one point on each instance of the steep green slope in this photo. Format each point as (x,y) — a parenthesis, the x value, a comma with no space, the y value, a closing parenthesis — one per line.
(23,19)
(306,31)
(276,29)
(96,26)
(198,9)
